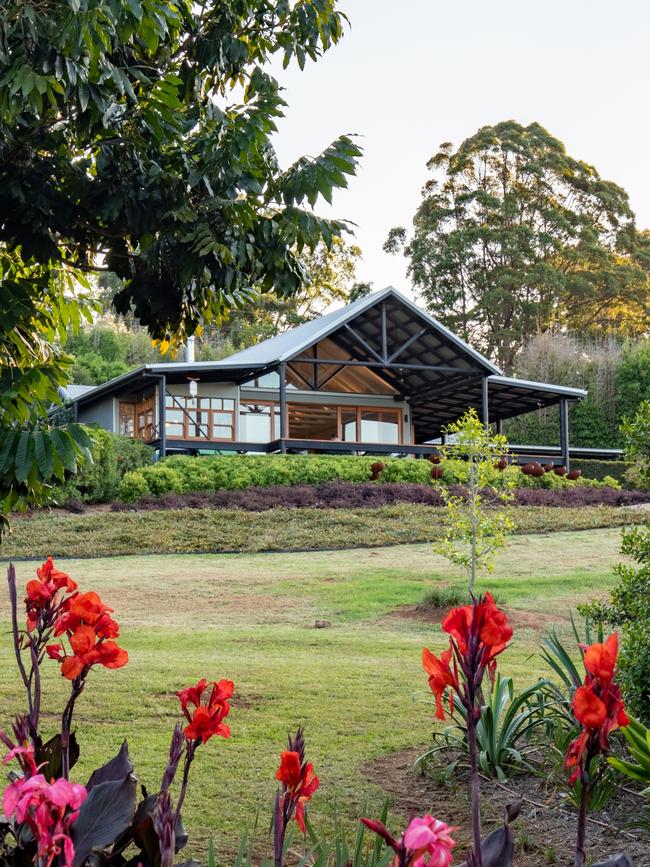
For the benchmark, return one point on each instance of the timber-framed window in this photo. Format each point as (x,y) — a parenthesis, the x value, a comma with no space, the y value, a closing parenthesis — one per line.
(199,418)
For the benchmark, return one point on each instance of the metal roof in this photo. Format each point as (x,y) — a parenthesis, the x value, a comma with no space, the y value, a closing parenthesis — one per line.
(425,363)
(365,313)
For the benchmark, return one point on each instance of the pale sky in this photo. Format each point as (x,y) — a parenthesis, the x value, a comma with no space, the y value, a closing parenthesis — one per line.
(410,74)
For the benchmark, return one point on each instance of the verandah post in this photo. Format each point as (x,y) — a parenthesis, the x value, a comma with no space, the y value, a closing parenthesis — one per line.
(564,432)
(484,402)
(162,434)
(283,407)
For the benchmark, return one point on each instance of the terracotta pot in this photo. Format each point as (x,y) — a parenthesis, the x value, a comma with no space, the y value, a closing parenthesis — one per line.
(538,470)
(548,468)
(528,469)
(574,474)
(501,464)
(436,473)
(560,471)
(376,469)
(435,459)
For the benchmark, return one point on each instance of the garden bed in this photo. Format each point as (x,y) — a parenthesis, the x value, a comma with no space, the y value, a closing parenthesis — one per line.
(544,833)
(359,495)
(235,530)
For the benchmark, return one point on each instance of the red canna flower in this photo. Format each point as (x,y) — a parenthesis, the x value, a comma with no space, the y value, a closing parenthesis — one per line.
(205,718)
(588,708)
(597,705)
(299,783)
(46,592)
(86,622)
(440,677)
(600,659)
(483,620)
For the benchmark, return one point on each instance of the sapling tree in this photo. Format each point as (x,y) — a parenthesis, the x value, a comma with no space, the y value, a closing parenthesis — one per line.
(478,521)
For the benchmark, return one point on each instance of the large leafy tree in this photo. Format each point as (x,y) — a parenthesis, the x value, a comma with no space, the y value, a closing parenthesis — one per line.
(135,136)
(514,237)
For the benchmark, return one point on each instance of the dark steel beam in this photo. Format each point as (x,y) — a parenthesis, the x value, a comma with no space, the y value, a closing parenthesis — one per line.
(384,333)
(283,405)
(356,336)
(162,433)
(485,406)
(406,344)
(564,432)
(438,368)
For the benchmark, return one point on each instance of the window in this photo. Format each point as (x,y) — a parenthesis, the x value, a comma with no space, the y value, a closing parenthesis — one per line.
(258,422)
(378,426)
(137,419)
(309,421)
(208,418)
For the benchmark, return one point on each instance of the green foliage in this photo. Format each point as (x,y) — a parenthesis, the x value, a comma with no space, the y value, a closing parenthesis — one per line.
(444,598)
(628,609)
(133,486)
(514,236)
(616,377)
(35,312)
(136,138)
(638,745)
(602,470)
(161,480)
(475,527)
(637,440)
(507,725)
(112,456)
(143,132)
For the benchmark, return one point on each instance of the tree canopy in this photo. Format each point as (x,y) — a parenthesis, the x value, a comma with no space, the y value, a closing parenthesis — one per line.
(514,237)
(136,136)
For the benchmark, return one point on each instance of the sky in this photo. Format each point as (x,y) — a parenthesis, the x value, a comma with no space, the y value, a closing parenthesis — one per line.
(410,74)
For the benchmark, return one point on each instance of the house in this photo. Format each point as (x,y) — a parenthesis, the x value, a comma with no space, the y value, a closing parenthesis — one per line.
(379,376)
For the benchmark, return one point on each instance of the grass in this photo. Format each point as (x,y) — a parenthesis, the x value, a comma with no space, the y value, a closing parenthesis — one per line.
(103,534)
(250,617)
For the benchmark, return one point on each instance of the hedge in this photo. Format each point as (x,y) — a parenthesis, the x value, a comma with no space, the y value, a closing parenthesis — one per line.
(599,469)
(237,472)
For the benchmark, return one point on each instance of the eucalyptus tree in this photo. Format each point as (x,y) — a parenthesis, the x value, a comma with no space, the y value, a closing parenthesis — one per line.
(514,237)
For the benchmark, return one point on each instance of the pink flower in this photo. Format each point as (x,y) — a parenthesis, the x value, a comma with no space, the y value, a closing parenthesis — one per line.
(49,809)
(430,842)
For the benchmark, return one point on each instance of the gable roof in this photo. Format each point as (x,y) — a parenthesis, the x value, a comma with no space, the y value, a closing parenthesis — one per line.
(291,343)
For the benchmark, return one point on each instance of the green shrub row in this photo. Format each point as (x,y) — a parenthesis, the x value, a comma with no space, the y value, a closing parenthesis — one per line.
(113,457)
(235,472)
(599,469)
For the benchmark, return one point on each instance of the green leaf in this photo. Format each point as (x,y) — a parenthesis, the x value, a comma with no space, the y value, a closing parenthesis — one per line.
(24,460)
(44,452)
(64,447)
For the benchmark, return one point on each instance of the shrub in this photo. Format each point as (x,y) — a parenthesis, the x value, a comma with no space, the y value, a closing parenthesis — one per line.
(132,487)
(239,472)
(99,481)
(600,470)
(162,480)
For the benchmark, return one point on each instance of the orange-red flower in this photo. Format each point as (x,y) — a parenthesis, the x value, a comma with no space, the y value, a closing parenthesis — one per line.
(483,620)
(87,608)
(205,719)
(440,677)
(597,706)
(86,621)
(299,782)
(588,709)
(600,659)
(46,591)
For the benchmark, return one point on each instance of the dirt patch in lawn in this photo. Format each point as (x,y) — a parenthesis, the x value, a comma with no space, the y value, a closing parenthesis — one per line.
(536,620)
(544,832)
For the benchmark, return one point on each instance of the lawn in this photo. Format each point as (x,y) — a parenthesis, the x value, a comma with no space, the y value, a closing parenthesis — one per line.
(251,617)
